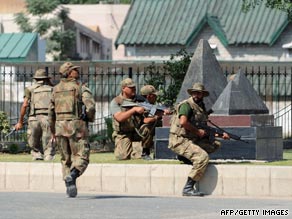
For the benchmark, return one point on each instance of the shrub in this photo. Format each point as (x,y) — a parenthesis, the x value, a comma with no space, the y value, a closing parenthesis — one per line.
(13,148)
(177,68)
(4,123)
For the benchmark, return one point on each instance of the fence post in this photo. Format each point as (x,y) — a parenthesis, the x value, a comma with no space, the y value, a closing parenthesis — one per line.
(130,72)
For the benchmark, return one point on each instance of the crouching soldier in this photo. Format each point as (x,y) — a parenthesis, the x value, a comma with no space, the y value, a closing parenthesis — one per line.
(189,140)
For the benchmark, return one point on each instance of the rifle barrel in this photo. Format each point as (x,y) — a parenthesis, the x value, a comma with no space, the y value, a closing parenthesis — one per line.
(220,131)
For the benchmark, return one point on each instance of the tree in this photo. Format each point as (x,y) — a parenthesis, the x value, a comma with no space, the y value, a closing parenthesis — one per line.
(177,67)
(49,23)
(283,5)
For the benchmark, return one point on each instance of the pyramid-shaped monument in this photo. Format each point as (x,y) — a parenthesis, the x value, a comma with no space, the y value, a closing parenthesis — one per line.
(204,68)
(239,97)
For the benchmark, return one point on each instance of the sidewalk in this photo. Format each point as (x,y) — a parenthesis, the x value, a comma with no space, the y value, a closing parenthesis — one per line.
(152,179)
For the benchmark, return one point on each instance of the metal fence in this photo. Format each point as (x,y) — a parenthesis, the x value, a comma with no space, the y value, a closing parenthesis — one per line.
(103,79)
(272,81)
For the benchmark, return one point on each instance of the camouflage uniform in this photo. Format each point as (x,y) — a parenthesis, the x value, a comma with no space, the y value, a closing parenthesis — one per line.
(70,130)
(188,144)
(38,130)
(149,91)
(128,135)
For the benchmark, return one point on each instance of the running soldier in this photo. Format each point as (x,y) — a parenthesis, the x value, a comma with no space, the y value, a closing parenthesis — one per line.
(72,107)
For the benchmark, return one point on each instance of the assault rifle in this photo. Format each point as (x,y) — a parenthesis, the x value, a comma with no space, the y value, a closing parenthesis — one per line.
(216,130)
(151,108)
(13,129)
(10,133)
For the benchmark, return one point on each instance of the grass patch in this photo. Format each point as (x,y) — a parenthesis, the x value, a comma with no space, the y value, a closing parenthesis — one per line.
(94,158)
(109,158)
(287,160)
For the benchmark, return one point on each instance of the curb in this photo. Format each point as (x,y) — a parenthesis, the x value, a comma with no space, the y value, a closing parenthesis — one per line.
(150,179)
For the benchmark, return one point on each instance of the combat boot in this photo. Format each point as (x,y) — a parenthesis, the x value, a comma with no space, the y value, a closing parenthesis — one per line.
(146,154)
(70,182)
(189,189)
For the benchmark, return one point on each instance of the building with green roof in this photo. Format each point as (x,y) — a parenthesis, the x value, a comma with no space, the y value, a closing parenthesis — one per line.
(18,47)
(154,29)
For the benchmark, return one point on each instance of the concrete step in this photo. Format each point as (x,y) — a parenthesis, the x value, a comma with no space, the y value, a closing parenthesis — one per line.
(152,179)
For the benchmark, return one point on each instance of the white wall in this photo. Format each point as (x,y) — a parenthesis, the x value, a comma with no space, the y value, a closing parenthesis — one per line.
(235,53)
(108,19)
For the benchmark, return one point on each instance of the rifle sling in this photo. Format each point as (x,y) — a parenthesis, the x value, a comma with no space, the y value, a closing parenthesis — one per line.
(138,132)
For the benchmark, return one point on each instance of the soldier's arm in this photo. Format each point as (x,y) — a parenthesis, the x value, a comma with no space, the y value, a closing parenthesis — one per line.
(184,121)
(24,106)
(89,103)
(122,116)
(151,119)
(190,127)
(52,115)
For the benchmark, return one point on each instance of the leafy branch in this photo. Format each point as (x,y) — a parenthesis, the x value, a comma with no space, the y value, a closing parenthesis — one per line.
(176,67)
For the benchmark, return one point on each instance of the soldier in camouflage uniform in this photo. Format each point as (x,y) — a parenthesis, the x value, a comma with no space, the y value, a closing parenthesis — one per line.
(36,101)
(150,94)
(188,140)
(68,121)
(128,135)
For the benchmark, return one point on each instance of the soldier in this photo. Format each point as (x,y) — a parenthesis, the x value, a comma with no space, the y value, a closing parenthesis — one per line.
(35,103)
(128,136)
(68,121)
(188,140)
(150,94)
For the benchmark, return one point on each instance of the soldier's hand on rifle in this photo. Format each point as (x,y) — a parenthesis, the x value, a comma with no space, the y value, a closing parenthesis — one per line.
(225,136)
(167,112)
(139,109)
(18,126)
(201,133)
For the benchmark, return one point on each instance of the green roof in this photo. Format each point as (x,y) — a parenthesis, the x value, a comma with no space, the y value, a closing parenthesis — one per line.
(179,22)
(15,46)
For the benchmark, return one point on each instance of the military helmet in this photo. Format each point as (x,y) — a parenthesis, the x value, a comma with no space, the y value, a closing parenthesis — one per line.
(41,74)
(199,88)
(148,89)
(67,67)
(128,82)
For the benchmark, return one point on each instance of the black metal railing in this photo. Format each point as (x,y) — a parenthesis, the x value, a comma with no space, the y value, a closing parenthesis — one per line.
(283,118)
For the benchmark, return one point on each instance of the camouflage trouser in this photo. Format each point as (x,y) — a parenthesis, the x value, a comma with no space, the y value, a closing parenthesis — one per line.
(129,145)
(74,154)
(147,131)
(196,152)
(39,135)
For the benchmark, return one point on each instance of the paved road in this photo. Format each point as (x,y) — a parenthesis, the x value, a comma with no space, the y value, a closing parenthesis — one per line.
(14,205)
